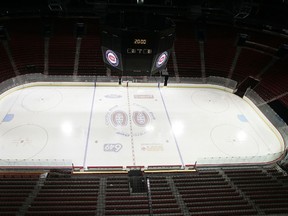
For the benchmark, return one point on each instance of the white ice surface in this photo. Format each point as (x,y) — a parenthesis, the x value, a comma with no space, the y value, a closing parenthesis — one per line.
(134,126)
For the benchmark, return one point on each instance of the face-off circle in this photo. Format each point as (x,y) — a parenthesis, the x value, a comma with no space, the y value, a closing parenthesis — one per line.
(214,102)
(112,58)
(233,141)
(161,59)
(41,100)
(23,142)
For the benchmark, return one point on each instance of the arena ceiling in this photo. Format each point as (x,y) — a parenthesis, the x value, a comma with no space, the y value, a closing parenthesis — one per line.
(272,9)
(271,14)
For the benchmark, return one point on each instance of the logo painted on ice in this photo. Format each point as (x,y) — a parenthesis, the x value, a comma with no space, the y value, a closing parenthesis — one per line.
(112,147)
(134,122)
(141,118)
(112,58)
(113,96)
(119,118)
(152,147)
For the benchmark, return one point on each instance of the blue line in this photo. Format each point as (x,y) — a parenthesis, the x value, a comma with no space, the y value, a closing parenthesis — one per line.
(171,127)
(89,125)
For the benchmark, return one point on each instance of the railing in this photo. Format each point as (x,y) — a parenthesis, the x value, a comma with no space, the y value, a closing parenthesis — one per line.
(36,163)
(212,80)
(275,120)
(30,78)
(270,114)
(239,160)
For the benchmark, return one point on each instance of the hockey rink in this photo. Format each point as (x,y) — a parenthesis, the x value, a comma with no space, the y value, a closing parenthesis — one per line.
(101,125)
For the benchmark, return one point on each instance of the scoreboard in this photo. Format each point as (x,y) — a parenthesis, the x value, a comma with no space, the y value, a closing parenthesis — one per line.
(137,50)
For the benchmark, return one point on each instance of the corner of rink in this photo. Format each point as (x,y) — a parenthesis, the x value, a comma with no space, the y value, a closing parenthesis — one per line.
(268,123)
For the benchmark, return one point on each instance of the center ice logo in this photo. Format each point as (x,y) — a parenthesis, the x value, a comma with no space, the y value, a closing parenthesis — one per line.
(119,118)
(136,122)
(141,118)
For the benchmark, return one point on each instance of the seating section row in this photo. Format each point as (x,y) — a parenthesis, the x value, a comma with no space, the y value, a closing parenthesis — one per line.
(227,191)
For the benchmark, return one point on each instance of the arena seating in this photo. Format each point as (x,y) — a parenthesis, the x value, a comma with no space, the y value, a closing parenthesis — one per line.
(14,190)
(266,188)
(170,67)
(118,199)
(250,63)
(217,191)
(62,47)
(90,59)
(187,52)
(26,42)
(284,100)
(6,70)
(66,196)
(266,38)
(274,81)
(220,49)
(212,184)
(162,196)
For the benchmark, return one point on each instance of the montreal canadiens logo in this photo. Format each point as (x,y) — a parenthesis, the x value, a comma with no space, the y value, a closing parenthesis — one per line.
(133,120)
(141,118)
(112,58)
(161,59)
(119,118)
